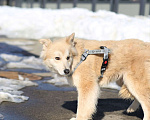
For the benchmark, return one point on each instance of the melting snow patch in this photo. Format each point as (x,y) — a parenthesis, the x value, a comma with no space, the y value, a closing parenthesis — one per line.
(9,90)
(57,80)
(10,58)
(2,62)
(14,61)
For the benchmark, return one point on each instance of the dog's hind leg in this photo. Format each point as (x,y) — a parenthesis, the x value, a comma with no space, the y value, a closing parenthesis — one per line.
(133,107)
(125,94)
(142,94)
(145,103)
(88,93)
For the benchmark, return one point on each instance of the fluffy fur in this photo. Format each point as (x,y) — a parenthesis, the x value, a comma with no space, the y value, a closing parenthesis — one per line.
(129,61)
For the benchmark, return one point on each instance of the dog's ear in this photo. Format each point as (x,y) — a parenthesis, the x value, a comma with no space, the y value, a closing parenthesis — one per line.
(70,39)
(45,42)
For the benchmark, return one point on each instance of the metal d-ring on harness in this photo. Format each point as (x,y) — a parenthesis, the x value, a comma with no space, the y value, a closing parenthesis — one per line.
(103,50)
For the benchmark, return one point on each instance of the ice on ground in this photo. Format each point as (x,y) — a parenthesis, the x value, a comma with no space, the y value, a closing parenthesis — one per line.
(57,80)
(9,90)
(39,23)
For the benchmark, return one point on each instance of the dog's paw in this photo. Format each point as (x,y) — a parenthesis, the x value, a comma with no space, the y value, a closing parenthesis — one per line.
(133,107)
(73,119)
(130,110)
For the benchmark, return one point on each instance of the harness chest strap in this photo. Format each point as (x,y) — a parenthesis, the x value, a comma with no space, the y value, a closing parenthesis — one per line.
(103,50)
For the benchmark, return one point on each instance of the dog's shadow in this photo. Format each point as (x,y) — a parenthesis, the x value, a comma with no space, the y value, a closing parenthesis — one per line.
(106,105)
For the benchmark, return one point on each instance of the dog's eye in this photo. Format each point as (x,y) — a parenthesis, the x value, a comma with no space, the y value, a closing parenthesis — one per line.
(68,58)
(57,58)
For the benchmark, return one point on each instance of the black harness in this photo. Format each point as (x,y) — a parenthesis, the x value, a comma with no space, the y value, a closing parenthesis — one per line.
(105,60)
(103,50)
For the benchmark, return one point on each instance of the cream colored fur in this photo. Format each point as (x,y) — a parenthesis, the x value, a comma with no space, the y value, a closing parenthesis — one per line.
(125,93)
(129,60)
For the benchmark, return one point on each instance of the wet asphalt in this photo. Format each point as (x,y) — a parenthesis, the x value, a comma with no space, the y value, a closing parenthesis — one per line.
(48,102)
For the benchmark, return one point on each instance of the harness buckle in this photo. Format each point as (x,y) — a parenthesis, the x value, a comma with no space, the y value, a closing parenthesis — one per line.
(84,55)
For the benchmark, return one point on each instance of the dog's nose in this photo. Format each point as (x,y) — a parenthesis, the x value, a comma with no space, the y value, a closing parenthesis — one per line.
(66,71)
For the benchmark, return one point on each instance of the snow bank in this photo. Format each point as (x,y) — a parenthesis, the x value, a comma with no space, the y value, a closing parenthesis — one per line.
(9,90)
(39,23)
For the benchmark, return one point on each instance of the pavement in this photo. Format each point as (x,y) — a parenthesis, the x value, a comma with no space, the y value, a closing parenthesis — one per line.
(49,102)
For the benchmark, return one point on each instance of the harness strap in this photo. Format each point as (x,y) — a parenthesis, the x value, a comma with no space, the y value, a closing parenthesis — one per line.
(83,57)
(105,60)
(103,50)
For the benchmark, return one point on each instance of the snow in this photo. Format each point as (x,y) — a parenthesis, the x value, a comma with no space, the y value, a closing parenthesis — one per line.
(112,85)
(58,80)
(25,62)
(11,57)
(39,23)
(9,90)
(8,61)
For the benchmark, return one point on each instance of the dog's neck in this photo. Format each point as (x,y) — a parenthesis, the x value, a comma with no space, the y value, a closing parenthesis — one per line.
(80,49)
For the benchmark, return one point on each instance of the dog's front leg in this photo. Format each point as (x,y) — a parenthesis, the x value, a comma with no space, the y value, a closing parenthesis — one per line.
(88,93)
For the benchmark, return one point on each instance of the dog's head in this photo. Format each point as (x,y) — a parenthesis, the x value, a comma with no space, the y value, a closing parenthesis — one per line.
(58,55)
